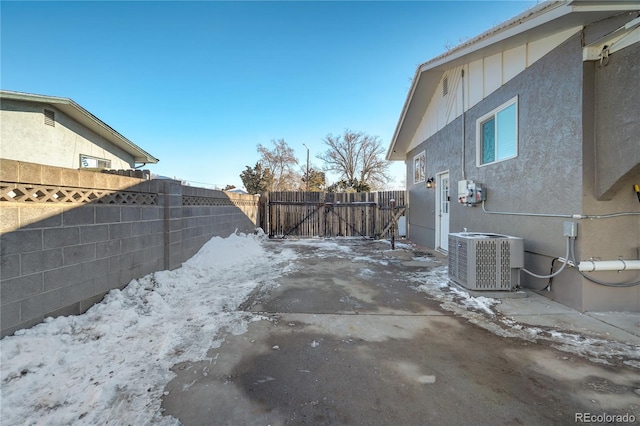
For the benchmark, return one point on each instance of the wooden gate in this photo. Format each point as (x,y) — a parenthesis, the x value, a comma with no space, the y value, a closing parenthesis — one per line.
(328,214)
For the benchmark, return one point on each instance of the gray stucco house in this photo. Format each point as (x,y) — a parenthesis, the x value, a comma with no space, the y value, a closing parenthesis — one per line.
(58,132)
(542,113)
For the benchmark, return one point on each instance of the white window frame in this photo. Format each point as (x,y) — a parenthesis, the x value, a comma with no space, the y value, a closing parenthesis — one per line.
(493,114)
(94,162)
(420,167)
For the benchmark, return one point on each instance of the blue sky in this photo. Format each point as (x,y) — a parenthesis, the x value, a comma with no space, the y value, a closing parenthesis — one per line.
(200,84)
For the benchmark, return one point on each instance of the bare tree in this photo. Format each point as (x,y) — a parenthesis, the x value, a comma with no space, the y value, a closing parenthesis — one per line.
(356,157)
(281,162)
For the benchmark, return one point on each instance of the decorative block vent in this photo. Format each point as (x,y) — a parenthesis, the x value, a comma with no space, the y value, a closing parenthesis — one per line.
(27,193)
(192,200)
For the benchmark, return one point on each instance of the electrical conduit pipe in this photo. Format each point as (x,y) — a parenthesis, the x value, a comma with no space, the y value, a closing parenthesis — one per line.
(609,265)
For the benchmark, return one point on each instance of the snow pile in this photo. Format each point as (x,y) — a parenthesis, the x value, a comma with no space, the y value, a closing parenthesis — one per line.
(110,365)
(480,311)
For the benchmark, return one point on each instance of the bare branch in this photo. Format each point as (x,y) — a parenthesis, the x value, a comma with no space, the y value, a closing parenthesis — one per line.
(356,156)
(281,161)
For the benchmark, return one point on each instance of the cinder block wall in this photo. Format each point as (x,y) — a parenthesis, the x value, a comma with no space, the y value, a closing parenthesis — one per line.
(206,213)
(67,237)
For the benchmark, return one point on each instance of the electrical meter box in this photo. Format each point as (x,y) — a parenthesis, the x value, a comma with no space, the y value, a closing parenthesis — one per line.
(462,190)
(470,193)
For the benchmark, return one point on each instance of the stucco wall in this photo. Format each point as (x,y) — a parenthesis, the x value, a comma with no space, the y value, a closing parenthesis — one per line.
(549,175)
(58,257)
(612,165)
(443,152)
(617,121)
(546,175)
(25,137)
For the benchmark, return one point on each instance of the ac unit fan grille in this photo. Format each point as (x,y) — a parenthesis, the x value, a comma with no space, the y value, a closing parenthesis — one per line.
(462,263)
(486,275)
(505,265)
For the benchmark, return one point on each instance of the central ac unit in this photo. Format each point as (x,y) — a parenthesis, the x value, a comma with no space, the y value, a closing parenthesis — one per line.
(480,261)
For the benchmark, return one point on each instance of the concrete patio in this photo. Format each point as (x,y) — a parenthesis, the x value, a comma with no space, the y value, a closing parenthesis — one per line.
(347,338)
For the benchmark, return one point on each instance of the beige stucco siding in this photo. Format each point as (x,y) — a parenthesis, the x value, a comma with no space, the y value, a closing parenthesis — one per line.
(24,136)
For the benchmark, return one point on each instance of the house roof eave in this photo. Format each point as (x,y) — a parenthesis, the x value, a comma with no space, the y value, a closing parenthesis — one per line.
(409,121)
(414,108)
(535,23)
(78,113)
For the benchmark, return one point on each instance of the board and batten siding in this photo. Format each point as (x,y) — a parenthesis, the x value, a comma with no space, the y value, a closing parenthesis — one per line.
(481,78)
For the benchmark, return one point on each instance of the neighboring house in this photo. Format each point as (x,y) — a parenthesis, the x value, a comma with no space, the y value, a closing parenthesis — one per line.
(58,132)
(237,191)
(544,112)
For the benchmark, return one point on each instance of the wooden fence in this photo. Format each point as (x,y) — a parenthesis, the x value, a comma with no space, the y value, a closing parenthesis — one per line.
(327,214)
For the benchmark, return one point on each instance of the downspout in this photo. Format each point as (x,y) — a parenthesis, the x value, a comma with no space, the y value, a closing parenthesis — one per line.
(464,177)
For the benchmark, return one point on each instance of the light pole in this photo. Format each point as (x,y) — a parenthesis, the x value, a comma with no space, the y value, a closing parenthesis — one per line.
(307,176)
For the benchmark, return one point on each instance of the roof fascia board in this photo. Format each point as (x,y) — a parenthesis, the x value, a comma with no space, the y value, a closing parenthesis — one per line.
(403,113)
(140,155)
(484,40)
(606,7)
(413,115)
(33,97)
(619,39)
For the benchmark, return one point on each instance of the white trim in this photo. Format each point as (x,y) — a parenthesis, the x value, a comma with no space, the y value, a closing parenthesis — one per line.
(617,40)
(438,218)
(90,161)
(528,20)
(606,7)
(420,175)
(483,119)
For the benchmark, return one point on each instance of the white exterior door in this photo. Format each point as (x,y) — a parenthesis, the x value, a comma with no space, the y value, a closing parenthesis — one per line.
(442,220)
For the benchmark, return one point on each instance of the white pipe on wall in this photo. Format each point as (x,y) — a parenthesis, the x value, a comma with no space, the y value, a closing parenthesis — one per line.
(608,265)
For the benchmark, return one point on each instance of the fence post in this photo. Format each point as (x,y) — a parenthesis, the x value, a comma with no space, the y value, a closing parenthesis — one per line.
(393,223)
(377,228)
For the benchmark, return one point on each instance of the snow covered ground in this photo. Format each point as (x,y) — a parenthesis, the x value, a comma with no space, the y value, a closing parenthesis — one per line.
(111,364)
(482,312)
